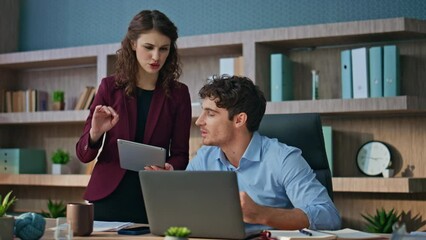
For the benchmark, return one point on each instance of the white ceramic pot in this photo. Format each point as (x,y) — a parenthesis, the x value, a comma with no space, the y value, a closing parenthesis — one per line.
(175,238)
(60,169)
(387,173)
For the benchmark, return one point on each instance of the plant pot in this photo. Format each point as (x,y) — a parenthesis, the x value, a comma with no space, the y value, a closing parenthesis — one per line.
(387,173)
(58,106)
(58,169)
(7,224)
(175,238)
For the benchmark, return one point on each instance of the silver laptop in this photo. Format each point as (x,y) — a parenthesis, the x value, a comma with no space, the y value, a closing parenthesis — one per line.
(135,156)
(207,202)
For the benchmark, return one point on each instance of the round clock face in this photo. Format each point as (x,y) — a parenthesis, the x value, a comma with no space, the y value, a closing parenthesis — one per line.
(373,157)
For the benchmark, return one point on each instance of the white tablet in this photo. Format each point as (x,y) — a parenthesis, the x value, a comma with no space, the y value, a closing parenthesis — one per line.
(135,156)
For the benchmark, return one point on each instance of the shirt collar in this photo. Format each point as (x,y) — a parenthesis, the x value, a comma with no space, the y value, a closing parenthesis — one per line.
(252,152)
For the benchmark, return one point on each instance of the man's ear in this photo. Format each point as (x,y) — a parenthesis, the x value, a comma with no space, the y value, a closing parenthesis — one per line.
(240,119)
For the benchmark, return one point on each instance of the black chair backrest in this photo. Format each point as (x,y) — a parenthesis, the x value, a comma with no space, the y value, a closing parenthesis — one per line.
(304,131)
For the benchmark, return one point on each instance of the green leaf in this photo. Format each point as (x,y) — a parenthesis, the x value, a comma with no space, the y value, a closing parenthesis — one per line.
(382,222)
(6,203)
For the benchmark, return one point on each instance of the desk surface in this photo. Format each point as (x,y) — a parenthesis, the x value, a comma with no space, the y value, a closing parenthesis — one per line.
(49,234)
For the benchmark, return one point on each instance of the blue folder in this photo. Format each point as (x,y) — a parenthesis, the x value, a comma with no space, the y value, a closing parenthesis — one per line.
(346,68)
(391,71)
(281,78)
(376,71)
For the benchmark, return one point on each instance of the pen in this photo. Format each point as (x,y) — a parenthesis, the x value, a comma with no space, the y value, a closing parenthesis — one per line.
(302,231)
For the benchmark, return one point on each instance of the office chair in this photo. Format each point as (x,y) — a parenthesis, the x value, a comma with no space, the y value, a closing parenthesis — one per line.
(304,131)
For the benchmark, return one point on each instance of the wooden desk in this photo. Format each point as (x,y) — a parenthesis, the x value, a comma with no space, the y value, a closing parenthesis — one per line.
(49,234)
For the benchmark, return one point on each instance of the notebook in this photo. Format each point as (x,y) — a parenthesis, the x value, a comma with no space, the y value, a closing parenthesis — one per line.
(135,156)
(342,234)
(207,202)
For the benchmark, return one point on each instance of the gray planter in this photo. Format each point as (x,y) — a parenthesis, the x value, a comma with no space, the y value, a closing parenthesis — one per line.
(6,227)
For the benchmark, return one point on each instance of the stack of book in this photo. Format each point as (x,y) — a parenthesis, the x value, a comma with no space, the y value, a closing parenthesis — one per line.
(30,100)
(86,98)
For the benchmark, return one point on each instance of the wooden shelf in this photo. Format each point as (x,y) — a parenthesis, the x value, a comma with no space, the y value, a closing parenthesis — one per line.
(343,33)
(340,184)
(70,116)
(379,185)
(46,180)
(400,104)
(342,106)
(326,106)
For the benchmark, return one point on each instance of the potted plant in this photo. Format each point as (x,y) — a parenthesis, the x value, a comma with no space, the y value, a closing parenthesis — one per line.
(7,223)
(59,159)
(177,233)
(382,222)
(58,100)
(55,209)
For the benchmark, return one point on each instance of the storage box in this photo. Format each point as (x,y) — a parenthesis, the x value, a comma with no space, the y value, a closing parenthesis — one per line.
(18,160)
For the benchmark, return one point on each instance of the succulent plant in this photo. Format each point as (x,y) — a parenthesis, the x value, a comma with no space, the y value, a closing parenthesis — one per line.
(6,203)
(58,96)
(56,209)
(60,157)
(178,232)
(382,222)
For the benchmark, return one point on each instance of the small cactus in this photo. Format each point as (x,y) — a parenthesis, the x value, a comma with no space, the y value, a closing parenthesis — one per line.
(178,232)
(382,222)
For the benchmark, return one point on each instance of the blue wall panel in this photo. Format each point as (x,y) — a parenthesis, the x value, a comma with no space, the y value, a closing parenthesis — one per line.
(46,24)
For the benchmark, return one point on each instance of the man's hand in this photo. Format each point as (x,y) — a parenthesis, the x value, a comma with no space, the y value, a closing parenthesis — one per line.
(252,212)
(167,167)
(279,218)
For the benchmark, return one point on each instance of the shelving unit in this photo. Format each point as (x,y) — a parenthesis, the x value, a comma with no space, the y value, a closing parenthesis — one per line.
(400,121)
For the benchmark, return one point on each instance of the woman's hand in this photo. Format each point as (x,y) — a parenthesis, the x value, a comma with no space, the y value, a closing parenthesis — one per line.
(167,167)
(104,118)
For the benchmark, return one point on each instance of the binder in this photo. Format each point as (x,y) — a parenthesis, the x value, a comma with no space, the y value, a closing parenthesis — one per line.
(360,72)
(226,66)
(231,66)
(281,78)
(327,132)
(376,71)
(346,68)
(391,71)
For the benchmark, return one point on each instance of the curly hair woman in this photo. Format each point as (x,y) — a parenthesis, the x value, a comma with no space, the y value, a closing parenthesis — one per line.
(142,102)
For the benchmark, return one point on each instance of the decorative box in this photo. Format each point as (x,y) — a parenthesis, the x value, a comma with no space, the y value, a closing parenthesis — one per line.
(18,160)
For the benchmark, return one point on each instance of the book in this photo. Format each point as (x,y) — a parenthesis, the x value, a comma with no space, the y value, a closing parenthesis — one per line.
(376,71)
(348,233)
(346,68)
(81,102)
(360,72)
(342,234)
(9,101)
(41,100)
(281,78)
(90,96)
(296,234)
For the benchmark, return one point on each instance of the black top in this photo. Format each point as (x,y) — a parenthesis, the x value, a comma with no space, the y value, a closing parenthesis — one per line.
(126,203)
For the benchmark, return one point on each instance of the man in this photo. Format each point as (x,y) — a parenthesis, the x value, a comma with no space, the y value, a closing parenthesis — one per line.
(278,189)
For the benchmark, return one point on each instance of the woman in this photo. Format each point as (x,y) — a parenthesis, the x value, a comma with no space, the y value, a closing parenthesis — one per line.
(142,102)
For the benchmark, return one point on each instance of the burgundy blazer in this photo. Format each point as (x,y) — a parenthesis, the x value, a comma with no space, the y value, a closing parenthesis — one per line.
(168,126)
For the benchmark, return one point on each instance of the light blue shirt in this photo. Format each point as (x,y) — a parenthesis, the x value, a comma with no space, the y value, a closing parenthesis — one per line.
(275,175)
